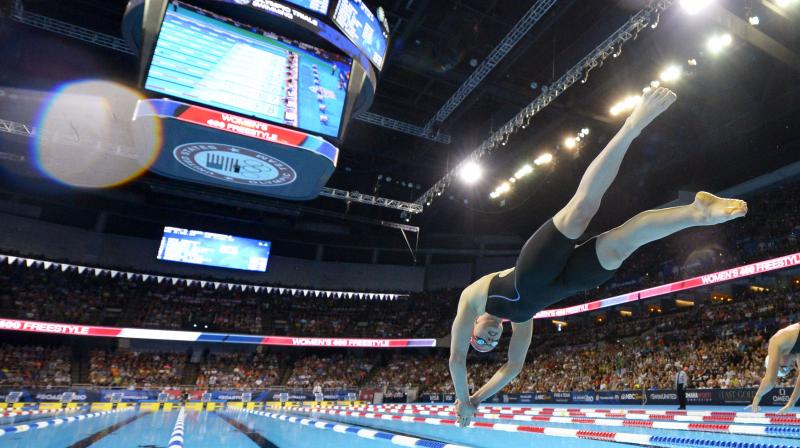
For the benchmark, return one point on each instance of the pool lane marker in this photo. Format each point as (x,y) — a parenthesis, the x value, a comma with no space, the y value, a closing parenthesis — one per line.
(528,409)
(34,412)
(723,417)
(55,422)
(605,436)
(176,439)
(766,431)
(365,433)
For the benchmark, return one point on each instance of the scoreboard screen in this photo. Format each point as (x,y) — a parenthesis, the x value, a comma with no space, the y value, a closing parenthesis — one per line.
(213,249)
(361,26)
(320,6)
(214,61)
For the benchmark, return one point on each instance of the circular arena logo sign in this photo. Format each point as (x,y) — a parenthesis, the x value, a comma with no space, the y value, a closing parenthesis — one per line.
(234,164)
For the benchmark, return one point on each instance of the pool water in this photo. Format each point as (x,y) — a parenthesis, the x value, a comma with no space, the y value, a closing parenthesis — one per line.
(386,426)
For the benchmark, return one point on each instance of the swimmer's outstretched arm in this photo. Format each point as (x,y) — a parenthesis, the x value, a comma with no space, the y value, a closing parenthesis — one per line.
(459,346)
(768,382)
(517,349)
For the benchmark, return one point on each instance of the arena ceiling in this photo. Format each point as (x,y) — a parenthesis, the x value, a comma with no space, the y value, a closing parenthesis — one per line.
(736,117)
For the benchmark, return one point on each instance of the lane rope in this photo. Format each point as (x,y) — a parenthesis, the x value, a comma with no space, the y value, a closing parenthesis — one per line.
(753,430)
(176,439)
(56,421)
(605,436)
(364,433)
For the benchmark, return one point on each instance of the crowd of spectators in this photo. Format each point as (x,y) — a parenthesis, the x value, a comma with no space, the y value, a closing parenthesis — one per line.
(329,371)
(249,370)
(35,366)
(722,343)
(135,369)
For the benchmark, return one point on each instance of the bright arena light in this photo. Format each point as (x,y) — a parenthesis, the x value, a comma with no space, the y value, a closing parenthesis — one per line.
(570,142)
(671,73)
(784,3)
(754,20)
(471,172)
(626,105)
(693,7)
(585,131)
(543,159)
(716,44)
(524,171)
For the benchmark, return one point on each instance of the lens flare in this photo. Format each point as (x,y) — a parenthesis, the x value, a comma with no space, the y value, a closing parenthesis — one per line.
(84,137)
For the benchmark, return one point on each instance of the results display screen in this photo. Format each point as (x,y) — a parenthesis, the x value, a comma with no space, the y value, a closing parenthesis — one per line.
(213,249)
(360,25)
(320,6)
(214,61)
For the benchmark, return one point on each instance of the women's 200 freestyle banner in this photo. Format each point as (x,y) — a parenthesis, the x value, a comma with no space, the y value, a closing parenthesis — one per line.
(299,341)
(681,285)
(194,336)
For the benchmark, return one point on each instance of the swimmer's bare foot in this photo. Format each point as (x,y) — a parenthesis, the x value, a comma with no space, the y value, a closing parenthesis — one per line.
(716,210)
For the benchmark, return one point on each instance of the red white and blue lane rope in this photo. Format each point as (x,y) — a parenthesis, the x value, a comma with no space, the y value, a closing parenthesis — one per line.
(524,409)
(55,422)
(35,412)
(773,419)
(365,433)
(751,430)
(606,436)
(176,438)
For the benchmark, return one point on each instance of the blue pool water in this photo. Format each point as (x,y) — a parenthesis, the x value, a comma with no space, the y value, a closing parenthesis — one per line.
(238,429)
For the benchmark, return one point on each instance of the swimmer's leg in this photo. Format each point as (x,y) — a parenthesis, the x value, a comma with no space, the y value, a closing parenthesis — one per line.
(614,246)
(574,218)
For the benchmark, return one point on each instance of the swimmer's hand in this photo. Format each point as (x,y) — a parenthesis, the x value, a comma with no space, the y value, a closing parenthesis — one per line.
(784,410)
(464,411)
(654,102)
(753,407)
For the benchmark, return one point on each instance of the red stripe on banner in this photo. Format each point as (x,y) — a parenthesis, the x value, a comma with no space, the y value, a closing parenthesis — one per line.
(91,330)
(334,342)
(242,126)
(32,326)
(702,280)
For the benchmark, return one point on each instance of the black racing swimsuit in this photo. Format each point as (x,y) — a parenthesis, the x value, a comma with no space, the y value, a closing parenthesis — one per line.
(550,267)
(796,348)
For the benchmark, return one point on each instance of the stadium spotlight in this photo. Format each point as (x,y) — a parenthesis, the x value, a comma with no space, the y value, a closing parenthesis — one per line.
(570,143)
(754,20)
(693,7)
(524,171)
(718,43)
(585,131)
(671,73)
(470,172)
(543,159)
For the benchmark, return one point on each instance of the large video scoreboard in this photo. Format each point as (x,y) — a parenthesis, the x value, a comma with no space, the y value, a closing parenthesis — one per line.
(208,59)
(252,95)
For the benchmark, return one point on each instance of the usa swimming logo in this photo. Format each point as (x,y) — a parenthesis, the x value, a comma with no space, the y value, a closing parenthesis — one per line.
(236,165)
